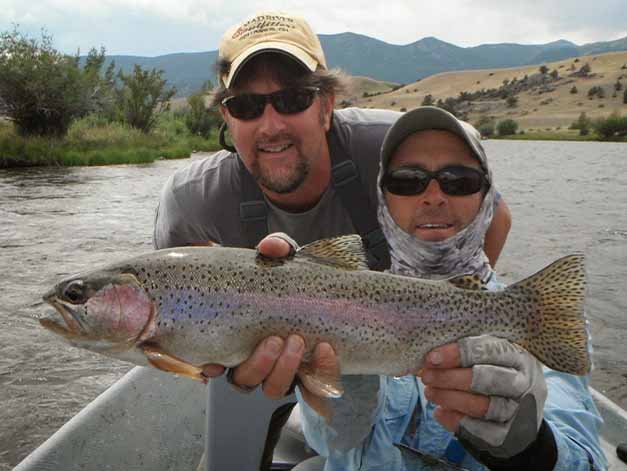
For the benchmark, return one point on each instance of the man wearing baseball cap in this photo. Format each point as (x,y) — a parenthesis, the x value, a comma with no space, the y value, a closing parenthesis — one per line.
(295,165)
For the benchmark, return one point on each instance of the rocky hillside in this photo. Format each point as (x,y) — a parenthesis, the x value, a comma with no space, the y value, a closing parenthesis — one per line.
(541,101)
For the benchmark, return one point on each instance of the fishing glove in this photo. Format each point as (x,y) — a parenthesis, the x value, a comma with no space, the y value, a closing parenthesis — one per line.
(514,381)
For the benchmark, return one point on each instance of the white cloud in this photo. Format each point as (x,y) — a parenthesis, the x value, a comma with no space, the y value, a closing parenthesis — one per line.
(152,27)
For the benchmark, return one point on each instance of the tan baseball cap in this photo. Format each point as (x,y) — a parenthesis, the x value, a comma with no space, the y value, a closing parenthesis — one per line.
(270,31)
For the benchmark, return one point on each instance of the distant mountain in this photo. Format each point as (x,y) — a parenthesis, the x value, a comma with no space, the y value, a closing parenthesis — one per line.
(362,55)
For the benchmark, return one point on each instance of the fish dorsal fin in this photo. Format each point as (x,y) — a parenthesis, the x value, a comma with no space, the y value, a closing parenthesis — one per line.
(345,252)
(471,282)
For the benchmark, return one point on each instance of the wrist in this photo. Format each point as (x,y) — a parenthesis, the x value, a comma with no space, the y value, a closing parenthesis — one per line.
(540,454)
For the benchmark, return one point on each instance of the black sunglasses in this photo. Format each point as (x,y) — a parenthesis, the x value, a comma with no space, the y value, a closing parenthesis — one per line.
(287,101)
(455,180)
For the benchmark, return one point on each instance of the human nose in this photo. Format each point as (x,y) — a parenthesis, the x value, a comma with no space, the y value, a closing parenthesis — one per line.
(433,194)
(271,120)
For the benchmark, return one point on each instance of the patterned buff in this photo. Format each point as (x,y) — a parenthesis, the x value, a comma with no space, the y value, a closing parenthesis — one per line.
(461,254)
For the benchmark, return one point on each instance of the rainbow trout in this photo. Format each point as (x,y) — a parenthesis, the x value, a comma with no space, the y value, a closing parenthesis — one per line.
(182,308)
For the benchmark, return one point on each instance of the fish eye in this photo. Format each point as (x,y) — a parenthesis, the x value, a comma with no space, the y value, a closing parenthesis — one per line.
(75,292)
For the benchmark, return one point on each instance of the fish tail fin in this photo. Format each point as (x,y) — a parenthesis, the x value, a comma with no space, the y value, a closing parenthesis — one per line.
(558,334)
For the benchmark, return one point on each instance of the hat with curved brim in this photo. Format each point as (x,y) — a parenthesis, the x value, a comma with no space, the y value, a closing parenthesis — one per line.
(270,32)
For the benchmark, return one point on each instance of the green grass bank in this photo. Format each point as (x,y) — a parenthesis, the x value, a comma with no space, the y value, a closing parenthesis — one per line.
(95,141)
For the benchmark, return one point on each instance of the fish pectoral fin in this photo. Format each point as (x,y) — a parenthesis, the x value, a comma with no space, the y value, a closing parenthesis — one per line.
(322,385)
(166,362)
(345,252)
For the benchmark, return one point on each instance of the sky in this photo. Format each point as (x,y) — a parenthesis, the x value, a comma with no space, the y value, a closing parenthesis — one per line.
(156,27)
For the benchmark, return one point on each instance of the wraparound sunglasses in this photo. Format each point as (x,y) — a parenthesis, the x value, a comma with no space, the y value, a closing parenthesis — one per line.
(249,106)
(455,180)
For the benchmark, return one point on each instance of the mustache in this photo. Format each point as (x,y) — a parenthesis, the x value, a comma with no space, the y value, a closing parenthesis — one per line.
(275,138)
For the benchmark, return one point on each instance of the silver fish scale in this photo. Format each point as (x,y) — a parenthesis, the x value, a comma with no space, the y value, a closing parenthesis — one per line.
(223,303)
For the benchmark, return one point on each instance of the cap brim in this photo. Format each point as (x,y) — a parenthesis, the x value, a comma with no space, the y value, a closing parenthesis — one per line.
(271,46)
(428,118)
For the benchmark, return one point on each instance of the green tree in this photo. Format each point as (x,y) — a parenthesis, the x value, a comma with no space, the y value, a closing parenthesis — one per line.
(142,97)
(583,123)
(585,70)
(41,90)
(543,69)
(485,126)
(199,119)
(428,100)
(612,126)
(554,74)
(507,127)
(511,101)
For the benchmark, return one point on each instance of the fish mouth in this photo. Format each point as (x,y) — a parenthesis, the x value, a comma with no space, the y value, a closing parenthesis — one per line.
(68,325)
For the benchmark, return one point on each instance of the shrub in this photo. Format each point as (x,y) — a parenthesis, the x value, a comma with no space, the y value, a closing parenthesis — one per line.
(143,96)
(507,127)
(543,69)
(486,129)
(612,126)
(428,100)
(198,118)
(625,97)
(583,123)
(512,101)
(573,90)
(42,90)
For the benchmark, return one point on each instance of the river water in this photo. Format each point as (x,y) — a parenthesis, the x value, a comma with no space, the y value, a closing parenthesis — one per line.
(564,197)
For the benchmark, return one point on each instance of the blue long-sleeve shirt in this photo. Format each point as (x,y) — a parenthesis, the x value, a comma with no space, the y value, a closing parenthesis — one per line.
(363,431)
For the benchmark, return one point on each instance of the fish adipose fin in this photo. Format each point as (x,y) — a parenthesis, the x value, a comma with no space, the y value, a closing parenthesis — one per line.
(415,459)
(471,282)
(166,362)
(345,252)
(558,332)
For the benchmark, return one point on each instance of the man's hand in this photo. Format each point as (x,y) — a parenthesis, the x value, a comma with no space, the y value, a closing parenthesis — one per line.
(490,393)
(275,361)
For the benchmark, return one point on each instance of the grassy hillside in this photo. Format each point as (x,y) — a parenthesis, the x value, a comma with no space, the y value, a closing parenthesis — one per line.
(547,106)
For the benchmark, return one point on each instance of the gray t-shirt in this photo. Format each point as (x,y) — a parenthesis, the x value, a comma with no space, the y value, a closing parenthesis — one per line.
(201,201)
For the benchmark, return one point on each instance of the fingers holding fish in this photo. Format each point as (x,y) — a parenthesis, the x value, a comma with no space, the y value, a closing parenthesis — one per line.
(254,370)
(463,403)
(446,356)
(279,380)
(277,245)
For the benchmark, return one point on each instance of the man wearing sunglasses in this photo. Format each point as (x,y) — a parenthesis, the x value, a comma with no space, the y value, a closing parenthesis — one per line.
(480,403)
(295,165)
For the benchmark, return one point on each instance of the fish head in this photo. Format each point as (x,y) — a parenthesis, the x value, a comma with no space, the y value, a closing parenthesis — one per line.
(101,311)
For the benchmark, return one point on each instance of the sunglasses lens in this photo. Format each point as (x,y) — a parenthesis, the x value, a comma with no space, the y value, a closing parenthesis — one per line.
(289,101)
(453,181)
(293,100)
(246,106)
(406,181)
(460,181)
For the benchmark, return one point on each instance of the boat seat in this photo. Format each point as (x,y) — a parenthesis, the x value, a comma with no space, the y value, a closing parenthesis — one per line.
(237,427)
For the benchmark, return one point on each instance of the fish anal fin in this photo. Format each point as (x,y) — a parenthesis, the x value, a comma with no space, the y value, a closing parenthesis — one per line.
(328,386)
(345,252)
(470,282)
(166,362)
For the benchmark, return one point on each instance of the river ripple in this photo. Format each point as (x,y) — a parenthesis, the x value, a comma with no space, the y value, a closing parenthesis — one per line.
(565,197)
